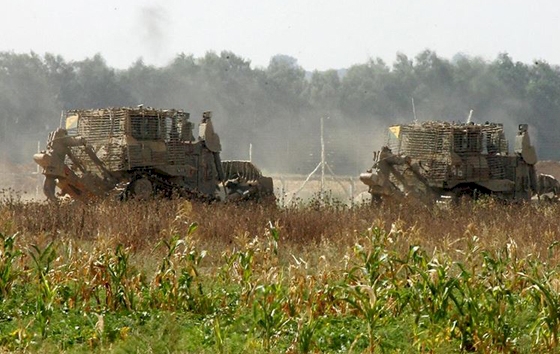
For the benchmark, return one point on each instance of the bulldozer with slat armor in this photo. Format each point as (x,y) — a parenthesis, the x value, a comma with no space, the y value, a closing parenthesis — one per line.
(434,160)
(143,152)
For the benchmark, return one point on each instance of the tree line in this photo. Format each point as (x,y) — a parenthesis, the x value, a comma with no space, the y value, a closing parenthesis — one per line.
(277,109)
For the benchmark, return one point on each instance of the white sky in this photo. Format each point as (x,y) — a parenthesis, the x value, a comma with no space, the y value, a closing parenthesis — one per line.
(320,34)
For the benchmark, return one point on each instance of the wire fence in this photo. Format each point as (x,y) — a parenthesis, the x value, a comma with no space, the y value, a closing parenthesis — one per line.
(294,189)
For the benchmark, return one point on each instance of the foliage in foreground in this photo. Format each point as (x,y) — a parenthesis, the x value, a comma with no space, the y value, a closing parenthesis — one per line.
(382,289)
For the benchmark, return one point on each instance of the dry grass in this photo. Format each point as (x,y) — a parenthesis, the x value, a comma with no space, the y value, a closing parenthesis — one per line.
(305,229)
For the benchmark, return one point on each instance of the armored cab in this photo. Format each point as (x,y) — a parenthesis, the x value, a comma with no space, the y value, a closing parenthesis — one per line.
(433,159)
(141,152)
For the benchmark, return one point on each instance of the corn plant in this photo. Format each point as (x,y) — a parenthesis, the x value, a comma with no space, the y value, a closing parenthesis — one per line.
(113,276)
(8,255)
(268,314)
(164,285)
(471,305)
(433,296)
(190,291)
(306,329)
(371,258)
(42,259)
(76,289)
(491,292)
(371,303)
(373,284)
(239,267)
(546,297)
(218,335)
(269,298)
(118,269)
(308,305)
(176,284)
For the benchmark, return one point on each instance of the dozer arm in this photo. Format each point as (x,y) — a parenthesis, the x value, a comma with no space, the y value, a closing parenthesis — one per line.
(57,173)
(380,183)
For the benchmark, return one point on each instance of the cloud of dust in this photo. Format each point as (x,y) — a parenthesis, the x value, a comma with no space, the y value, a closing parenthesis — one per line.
(151,26)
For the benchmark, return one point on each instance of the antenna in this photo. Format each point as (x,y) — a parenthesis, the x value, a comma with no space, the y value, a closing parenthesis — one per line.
(61,118)
(413,109)
(470,116)
(250,152)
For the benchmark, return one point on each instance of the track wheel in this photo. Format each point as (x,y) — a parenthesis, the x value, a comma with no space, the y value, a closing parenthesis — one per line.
(142,189)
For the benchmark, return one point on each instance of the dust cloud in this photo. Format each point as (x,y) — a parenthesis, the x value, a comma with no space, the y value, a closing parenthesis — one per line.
(151,26)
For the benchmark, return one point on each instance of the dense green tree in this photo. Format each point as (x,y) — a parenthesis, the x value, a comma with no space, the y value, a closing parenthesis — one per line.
(62,77)
(96,85)
(509,82)
(278,108)
(323,90)
(144,83)
(476,88)
(285,81)
(434,95)
(543,95)
(364,91)
(401,85)
(27,103)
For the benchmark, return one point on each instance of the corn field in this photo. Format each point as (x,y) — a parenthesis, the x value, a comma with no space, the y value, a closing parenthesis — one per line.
(319,276)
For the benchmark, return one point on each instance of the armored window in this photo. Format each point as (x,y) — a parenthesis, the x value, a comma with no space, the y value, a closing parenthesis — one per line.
(474,141)
(172,128)
(458,141)
(439,143)
(145,127)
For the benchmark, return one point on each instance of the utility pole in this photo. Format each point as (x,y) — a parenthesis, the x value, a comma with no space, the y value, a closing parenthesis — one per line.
(323,164)
(322,160)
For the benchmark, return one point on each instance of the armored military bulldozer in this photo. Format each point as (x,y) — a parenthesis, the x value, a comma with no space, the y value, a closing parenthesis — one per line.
(140,153)
(433,160)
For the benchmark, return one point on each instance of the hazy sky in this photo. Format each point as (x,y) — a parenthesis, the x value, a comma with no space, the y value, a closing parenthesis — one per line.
(320,34)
